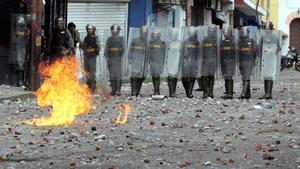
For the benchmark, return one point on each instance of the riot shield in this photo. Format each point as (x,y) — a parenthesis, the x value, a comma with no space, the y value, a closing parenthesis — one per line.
(173,53)
(270,54)
(136,53)
(114,54)
(209,38)
(228,53)
(88,55)
(190,53)
(156,52)
(248,60)
(18,41)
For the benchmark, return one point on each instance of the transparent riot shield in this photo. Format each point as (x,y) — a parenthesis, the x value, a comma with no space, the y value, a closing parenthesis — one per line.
(156,52)
(173,53)
(190,53)
(227,66)
(136,53)
(270,54)
(18,41)
(248,51)
(209,38)
(88,55)
(114,54)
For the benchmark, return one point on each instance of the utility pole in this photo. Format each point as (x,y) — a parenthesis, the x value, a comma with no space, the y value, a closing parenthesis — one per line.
(36,41)
(268,12)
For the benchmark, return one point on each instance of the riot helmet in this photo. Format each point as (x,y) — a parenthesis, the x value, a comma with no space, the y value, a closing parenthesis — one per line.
(192,32)
(244,32)
(144,31)
(115,29)
(21,20)
(155,35)
(90,29)
(212,30)
(227,32)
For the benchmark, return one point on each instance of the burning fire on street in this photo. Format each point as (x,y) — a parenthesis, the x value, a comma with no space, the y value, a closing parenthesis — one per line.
(123,116)
(62,91)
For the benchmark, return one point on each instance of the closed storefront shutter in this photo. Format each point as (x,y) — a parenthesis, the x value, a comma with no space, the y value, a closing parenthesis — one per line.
(162,18)
(207,17)
(101,15)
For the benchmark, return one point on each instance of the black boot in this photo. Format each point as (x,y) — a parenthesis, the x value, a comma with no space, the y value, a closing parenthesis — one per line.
(199,80)
(93,86)
(185,83)
(228,89)
(205,83)
(156,83)
(172,86)
(139,85)
(20,82)
(118,87)
(133,83)
(246,93)
(268,89)
(113,86)
(191,87)
(211,86)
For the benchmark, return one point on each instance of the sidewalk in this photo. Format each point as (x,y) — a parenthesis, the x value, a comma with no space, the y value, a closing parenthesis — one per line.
(13,93)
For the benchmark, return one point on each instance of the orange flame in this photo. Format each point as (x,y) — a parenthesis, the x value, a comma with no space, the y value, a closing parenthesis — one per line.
(123,118)
(62,91)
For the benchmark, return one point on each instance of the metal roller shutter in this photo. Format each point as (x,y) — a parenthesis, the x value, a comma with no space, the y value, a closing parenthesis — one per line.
(162,18)
(101,15)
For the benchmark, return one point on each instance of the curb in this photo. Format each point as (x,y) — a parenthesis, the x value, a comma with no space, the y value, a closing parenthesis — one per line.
(16,97)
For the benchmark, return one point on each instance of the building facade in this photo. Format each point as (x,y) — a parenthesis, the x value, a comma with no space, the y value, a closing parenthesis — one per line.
(289,23)
(249,12)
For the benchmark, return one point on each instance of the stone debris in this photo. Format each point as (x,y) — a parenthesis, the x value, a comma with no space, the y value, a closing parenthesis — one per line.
(170,133)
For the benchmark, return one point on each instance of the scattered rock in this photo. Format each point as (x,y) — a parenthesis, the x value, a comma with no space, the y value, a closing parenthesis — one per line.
(258,147)
(93,128)
(151,123)
(207,163)
(267,157)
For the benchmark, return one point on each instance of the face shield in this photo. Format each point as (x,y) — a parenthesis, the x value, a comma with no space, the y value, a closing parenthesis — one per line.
(115,30)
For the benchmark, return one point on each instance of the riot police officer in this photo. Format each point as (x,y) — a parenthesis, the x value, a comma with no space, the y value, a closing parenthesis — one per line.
(61,42)
(114,51)
(91,47)
(247,57)
(137,59)
(156,59)
(18,47)
(209,61)
(228,60)
(190,60)
(173,59)
(270,57)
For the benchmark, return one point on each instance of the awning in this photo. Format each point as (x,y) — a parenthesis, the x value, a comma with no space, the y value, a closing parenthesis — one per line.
(249,8)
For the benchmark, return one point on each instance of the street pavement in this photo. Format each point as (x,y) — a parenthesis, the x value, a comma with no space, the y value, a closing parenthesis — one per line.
(170,133)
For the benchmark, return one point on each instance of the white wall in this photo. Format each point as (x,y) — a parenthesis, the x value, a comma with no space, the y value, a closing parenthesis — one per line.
(286,7)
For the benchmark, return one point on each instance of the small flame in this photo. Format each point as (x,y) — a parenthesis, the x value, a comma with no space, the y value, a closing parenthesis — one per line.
(123,118)
(62,91)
